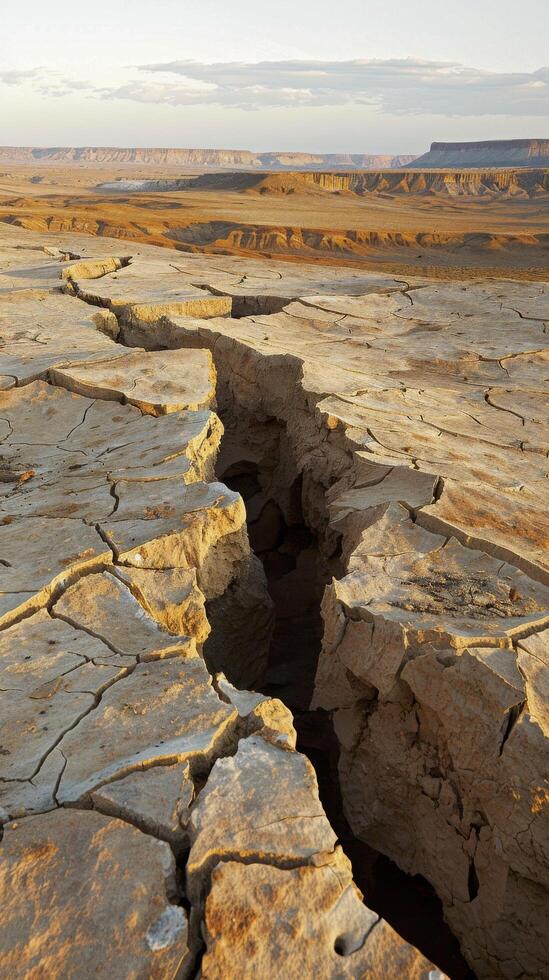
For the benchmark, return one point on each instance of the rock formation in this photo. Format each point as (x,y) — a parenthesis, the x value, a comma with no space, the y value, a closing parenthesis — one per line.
(486,153)
(491,184)
(407,422)
(156,156)
(137,783)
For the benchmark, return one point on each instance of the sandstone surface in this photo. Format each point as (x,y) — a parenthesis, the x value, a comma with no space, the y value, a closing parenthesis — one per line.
(414,417)
(316,922)
(85,895)
(120,749)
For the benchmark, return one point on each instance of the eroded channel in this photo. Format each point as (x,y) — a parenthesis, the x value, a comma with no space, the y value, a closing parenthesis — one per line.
(299,561)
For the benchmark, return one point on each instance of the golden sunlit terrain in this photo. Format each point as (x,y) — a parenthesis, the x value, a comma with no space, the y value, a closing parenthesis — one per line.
(447,224)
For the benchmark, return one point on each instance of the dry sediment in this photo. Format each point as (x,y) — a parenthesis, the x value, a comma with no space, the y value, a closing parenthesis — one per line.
(411,420)
(115,539)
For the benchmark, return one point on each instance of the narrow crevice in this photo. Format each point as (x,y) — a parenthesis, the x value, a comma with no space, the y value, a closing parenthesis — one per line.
(252,305)
(472,882)
(288,530)
(509,723)
(256,461)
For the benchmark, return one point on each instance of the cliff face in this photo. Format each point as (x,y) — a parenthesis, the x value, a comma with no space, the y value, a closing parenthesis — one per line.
(463,183)
(489,153)
(197,157)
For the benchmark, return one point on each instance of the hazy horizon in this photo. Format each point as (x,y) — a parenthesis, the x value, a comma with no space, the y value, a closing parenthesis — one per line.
(292,77)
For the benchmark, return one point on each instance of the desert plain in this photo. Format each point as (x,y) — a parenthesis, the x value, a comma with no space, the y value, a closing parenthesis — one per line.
(443,223)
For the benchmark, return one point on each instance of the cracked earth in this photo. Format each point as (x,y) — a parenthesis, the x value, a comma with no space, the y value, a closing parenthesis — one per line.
(157,818)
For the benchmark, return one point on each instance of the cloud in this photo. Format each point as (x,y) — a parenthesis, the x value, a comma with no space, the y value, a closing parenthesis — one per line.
(13,76)
(48,82)
(397,86)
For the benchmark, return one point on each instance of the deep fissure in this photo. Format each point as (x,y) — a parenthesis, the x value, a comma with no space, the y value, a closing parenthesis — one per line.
(256,461)
(298,560)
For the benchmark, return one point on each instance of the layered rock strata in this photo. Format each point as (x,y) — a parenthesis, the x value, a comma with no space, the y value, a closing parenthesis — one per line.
(491,153)
(121,751)
(182,157)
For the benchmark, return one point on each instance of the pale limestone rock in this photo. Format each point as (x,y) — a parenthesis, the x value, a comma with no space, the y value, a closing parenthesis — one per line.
(156,382)
(40,655)
(88,498)
(163,712)
(171,597)
(374,485)
(93,268)
(48,330)
(385,530)
(85,895)
(261,803)
(150,290)
(262,715)
(37,795)
(274,722)
(175,525)
(54,675)
(156,800)
(447,596)
(510,523)
(245,702)
(104,607)
(533,663)
(54,434)
(261,921)
(473,693)
(41,556)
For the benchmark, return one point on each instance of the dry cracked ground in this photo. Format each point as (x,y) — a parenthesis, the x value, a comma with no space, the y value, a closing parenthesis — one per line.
(165,416)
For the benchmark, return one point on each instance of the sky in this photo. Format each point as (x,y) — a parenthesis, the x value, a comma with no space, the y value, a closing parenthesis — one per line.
(350,76)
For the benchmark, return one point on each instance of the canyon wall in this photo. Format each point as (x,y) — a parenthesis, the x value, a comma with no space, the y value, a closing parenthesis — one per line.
(197,157)
(462,183)
(486,153)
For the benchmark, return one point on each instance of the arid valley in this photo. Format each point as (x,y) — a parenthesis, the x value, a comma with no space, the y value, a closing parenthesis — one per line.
(441,223)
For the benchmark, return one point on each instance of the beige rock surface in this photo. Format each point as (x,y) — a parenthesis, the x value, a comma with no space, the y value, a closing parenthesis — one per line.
(171,597)
(45,330)
(39,556)
(163,712)
(86,895)
(201,526)
(53,674)
(306,922)
(149,290)
(104,606)
(261,715)
(156,800)
(412,418)
(156,382)
(262,804)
